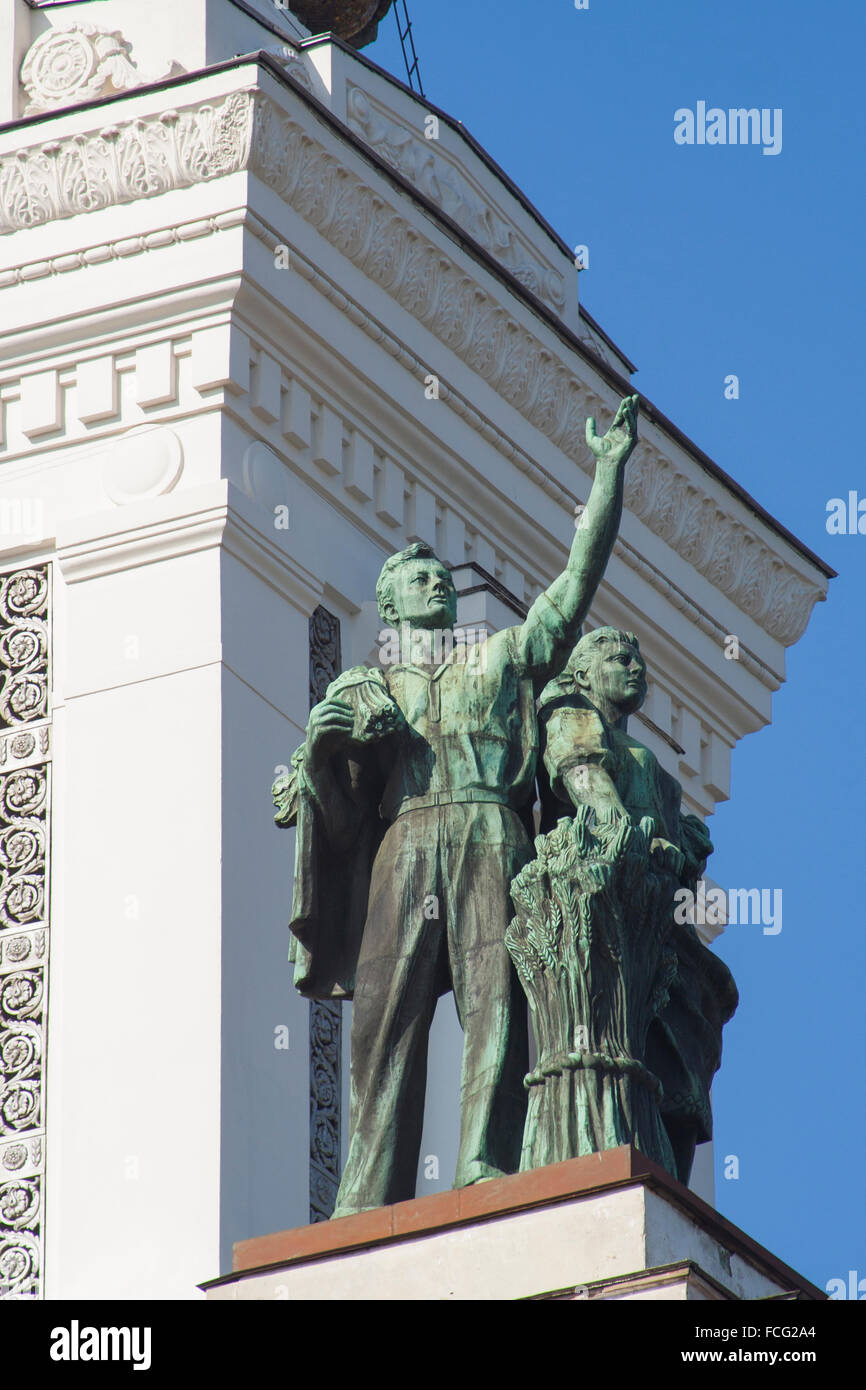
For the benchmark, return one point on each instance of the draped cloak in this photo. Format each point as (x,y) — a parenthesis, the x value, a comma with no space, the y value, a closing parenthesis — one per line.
(335,849)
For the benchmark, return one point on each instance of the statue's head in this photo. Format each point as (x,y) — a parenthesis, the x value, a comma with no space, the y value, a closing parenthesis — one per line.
(609,670)
(416,588)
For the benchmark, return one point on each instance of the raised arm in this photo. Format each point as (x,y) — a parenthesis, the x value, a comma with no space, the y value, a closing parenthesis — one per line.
(553,624)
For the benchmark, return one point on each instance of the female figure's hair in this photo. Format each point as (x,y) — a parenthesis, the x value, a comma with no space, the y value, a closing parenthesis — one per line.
(599,637)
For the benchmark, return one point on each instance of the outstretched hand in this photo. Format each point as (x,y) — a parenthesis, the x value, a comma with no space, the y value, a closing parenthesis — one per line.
(618,443)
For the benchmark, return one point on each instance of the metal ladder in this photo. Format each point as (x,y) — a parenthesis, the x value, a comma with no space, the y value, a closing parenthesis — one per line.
(407,43)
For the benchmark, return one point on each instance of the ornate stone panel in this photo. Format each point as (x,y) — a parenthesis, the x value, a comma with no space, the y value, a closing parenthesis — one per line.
(23,652)
(25,791)
(326,1024)
(124,162)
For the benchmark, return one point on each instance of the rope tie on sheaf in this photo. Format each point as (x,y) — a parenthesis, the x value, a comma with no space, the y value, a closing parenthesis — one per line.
(561,1062)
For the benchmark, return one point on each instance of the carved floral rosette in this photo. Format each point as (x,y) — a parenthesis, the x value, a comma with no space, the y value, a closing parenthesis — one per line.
(325,1043)
(25,792)
(23,646)
(20,1218)
(78,63)
(590,942)
(22,1039)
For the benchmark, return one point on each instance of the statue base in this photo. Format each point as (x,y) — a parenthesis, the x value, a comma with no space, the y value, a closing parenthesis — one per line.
(610,1226)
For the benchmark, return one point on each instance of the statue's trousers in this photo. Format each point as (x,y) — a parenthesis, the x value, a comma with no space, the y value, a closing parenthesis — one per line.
(439,907)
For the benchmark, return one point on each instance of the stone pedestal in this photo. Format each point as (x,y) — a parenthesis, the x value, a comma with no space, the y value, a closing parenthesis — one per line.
(611,1226)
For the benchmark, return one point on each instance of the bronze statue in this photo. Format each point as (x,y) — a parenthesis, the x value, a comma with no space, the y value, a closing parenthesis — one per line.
(411,797)
(628,1005)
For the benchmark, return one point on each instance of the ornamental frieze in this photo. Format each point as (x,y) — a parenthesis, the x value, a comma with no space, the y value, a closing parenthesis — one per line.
(122,162)
(326,1020)
(22,1042)
(23,824)
(23,646)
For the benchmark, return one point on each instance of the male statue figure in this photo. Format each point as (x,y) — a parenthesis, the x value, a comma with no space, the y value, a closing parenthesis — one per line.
(448,783)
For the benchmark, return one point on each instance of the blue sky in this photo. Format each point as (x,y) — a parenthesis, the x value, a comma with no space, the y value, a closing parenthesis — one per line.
(706,261)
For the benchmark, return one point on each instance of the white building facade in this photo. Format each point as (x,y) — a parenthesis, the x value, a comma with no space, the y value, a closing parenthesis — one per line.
(268,316)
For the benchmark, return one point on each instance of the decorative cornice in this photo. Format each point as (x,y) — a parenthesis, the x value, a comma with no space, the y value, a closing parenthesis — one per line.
(246,129)
(464,316)
(506,446)
(425,166)
(124,162)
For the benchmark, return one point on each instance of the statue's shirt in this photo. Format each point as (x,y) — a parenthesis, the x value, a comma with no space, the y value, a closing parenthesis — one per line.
(576,733)
(471,728)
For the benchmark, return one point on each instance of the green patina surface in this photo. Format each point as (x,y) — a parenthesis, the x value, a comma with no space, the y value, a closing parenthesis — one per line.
(411,796)
(627,1005)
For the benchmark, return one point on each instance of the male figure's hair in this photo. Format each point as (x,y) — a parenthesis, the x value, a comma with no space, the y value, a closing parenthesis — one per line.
(589,644)
(419,550)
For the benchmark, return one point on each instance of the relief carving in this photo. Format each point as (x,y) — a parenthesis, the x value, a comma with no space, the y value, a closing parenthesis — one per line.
(325,1016)
(80,63)
(415,157)
(24,820)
